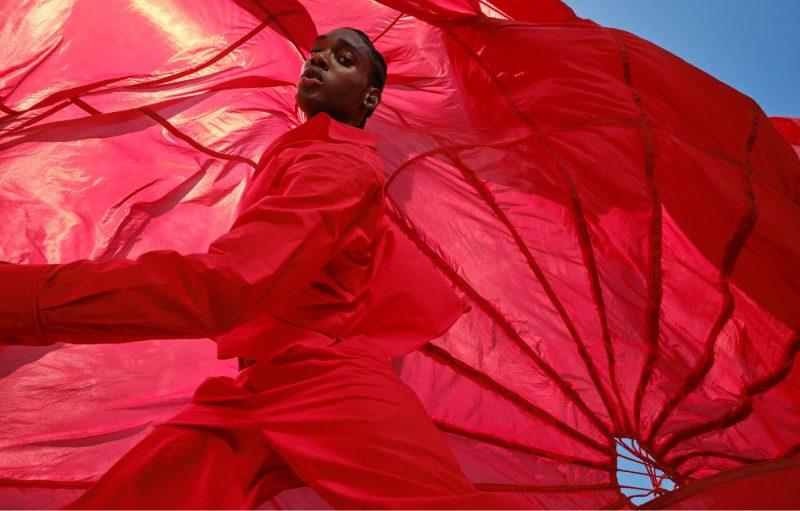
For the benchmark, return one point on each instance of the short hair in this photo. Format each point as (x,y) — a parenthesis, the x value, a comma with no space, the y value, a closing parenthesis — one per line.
(379,68)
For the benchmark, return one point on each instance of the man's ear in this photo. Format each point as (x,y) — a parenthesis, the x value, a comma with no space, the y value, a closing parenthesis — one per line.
(372,98)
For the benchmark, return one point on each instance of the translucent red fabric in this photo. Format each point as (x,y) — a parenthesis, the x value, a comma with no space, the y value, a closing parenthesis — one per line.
(622,224)
(790,129)
(765,485)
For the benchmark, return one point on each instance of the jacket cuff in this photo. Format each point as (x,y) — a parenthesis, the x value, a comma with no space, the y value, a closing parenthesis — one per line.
(19,310)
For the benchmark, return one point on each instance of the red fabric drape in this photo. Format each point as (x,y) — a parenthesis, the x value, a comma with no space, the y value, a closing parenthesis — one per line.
(790,129)
(621,223)
(765,485)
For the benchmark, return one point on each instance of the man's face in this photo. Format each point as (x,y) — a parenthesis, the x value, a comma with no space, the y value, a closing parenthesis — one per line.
(336,78)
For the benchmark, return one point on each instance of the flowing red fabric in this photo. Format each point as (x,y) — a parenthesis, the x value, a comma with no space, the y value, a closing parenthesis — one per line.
(622,224)
(765,485)
(790,129)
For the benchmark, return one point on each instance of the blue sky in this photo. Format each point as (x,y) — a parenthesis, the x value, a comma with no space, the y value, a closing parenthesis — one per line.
(751,45)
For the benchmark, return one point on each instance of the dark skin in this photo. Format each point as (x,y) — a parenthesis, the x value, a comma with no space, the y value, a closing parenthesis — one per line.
(336,79)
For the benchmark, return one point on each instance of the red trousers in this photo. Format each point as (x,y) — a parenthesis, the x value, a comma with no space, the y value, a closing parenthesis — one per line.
(336,418)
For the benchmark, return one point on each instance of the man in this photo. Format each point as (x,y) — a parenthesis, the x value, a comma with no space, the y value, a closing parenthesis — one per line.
(313,290)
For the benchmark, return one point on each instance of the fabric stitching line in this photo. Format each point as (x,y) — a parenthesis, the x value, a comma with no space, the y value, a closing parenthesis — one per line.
(8,111)
(66,93)
(33,120)
(175,131)
(593,275)
(790,452)
(585,250)
(741,459)
(456,147)
(486,382)
(76,99)
(387,28)
(516,446)
(406,164)
(744,409)
(189,140)
(282,28)
(674,498)
(654,272)
(488,309)
(84,105)
(636,123)
(565,388)
(545,130)
(746,406)
(732,250)
(683,138)
(491,201)
(743,165)
(83,89)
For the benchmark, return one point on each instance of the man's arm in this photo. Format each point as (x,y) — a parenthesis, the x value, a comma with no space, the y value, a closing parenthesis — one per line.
(272,247)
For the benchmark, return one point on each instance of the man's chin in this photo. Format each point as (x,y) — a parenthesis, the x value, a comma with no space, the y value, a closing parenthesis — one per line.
(310,89)
(311,104)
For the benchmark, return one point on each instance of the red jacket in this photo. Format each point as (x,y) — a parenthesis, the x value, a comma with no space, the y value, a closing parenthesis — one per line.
(310,258)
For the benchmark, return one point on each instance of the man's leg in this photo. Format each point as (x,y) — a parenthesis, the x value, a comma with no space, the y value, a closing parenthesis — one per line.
(183,467)
(351,430)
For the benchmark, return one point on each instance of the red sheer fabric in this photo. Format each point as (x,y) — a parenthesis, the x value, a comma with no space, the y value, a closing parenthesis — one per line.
(765,485)
(790,129)
(622,224)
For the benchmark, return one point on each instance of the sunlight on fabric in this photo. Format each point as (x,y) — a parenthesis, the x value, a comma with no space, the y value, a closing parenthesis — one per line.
(637,474)
(493,12)
(178,28)
(44,16)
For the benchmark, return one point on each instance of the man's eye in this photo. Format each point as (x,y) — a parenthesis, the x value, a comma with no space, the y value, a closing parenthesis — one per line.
(345,61)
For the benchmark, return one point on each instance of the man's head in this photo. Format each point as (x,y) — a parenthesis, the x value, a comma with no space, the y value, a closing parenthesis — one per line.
(343,77)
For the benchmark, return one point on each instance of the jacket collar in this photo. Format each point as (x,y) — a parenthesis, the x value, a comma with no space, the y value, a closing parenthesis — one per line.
(323,126)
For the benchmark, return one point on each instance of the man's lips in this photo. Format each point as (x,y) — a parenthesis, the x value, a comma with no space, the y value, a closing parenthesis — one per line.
(311,76)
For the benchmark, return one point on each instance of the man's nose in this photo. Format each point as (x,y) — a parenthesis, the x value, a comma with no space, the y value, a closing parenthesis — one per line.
(318,60)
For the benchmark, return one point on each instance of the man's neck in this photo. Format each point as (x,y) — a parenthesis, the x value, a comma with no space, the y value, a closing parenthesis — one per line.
(356,123)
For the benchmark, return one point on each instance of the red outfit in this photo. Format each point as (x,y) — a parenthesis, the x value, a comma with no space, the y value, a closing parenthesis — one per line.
(312,283)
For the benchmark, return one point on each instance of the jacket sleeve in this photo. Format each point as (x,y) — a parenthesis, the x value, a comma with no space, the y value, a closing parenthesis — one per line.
(273,246)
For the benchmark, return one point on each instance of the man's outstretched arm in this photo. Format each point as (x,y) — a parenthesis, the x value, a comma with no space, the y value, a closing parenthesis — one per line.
(273,246)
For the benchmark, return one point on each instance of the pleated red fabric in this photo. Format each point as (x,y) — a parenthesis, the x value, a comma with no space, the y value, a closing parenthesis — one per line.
(621,225)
